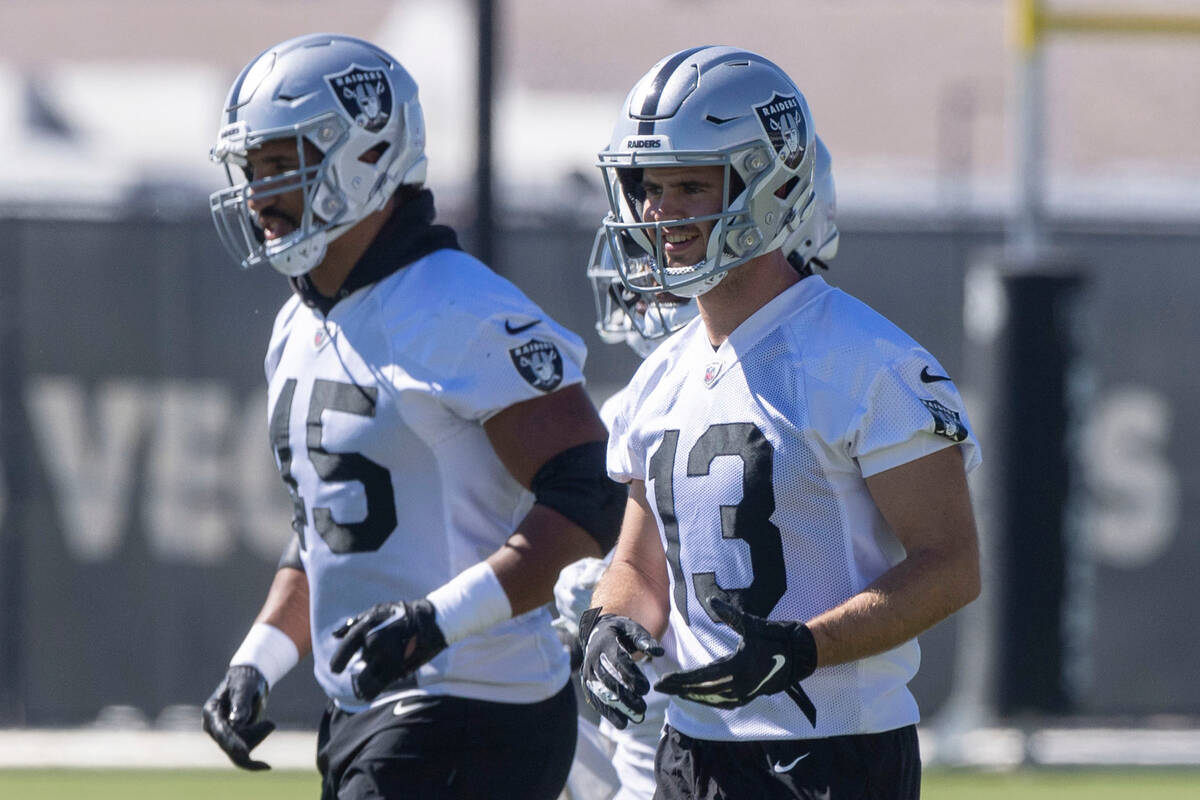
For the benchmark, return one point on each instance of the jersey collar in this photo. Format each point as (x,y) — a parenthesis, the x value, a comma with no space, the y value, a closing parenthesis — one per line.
(407,236)
(767,318)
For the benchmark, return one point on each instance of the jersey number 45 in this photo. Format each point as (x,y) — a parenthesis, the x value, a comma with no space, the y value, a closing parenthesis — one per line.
(342,537)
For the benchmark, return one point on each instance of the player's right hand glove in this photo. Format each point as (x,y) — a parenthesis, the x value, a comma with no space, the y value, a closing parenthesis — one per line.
(612,683)
(772,657)
(394,639)
(233,715)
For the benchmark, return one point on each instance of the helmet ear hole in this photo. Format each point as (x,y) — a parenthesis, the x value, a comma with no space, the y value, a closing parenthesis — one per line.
(632,186)
(736,187)
(372,154)
(783,191)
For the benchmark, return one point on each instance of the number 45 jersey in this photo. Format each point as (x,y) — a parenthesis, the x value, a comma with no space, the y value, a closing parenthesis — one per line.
(376,416)
(754,457)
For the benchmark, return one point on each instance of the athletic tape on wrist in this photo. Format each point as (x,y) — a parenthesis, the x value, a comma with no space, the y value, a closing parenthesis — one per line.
(470,603)
(269,650)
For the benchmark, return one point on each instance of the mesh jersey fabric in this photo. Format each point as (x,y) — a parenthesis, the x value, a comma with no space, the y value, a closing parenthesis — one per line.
(754,457)
(376,416)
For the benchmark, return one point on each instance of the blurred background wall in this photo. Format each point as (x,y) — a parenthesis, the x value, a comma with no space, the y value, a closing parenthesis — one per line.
(141,514)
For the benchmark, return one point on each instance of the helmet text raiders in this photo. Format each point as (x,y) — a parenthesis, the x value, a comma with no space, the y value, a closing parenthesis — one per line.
(346,98)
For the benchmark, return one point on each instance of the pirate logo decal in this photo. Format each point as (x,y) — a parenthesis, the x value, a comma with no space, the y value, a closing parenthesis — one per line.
(539,363)
(783,120)
(946,421)
(365,94)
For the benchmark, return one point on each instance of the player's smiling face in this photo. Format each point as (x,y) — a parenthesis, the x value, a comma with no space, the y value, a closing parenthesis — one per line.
(277,212)
(680,193)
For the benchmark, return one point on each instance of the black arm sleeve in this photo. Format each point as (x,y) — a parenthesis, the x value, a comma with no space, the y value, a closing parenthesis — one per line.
(291,555)
(575,484)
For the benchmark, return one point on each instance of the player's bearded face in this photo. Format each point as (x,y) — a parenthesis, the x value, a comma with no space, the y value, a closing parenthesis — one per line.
(680,193)
(275,168)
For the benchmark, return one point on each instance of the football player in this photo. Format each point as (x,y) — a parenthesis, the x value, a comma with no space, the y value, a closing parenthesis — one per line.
(430,423)
(643,324)
(798,507)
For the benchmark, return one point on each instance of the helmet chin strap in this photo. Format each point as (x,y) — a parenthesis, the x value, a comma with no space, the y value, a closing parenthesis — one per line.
(297,259)
(307,255)
(699,287)
(663,319)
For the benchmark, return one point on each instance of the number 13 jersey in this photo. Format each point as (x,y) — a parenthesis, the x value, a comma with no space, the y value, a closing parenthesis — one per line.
(754,457)
(376,419)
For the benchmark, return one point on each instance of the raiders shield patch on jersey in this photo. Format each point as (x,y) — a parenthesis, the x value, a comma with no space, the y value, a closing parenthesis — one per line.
(365,94)
(539,363)
(783,120)
(946,421)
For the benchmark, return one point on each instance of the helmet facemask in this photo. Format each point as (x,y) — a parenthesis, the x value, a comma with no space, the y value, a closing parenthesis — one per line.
(324,206)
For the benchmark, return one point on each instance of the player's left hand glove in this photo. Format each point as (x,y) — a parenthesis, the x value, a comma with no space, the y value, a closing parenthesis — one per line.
(395,639)
(233,715)
(772,657)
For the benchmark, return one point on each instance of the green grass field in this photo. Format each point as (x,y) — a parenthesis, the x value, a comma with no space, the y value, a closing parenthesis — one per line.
(1044,784)
(20,784)
(78,784)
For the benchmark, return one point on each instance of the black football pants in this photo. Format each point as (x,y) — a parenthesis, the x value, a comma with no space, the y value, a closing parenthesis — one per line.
(449,748)
(871,766)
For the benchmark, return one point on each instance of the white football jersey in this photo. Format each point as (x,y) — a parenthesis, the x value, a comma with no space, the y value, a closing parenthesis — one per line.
(754,457)
(376,419)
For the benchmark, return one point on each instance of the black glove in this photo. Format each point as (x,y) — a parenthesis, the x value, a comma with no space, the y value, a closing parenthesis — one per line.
(233,715)
(385,633)
(772,657)
(612,683)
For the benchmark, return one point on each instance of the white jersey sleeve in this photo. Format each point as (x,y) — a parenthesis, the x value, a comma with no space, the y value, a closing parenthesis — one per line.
(496,367)
(489,345)
(910,410)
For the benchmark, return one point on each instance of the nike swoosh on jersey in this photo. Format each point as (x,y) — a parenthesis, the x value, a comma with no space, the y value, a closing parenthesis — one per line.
(926,377)
(400,708)
(781,768)
(779,662)
(508,326)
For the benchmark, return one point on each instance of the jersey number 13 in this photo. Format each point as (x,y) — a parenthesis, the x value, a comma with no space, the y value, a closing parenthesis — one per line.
(749,520)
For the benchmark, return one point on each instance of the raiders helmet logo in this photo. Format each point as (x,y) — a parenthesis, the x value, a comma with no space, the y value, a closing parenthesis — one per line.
(783,121)
(539,363)
(366,95)
(946,421)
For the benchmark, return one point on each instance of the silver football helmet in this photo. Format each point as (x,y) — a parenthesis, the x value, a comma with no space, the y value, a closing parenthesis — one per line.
(711,106)
(345,97)
(643,321)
